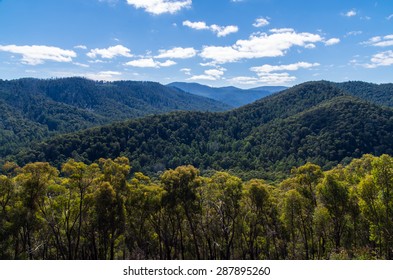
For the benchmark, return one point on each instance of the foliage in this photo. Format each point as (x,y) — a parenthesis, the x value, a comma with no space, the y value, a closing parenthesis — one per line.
(101,211)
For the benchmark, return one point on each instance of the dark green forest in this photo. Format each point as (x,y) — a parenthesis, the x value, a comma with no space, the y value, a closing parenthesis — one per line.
(313,122)
(99,211)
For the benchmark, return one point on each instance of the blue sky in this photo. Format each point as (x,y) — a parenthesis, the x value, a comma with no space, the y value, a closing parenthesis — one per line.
(244,43)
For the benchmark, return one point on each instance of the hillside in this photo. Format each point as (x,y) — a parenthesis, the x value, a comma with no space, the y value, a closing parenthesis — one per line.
(314,121)
(381,94)
(232,96)
(33,109)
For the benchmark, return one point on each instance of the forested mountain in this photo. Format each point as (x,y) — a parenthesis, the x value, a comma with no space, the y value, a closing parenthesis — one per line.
(314,121)
(32,109)
(381,94)
(232,96)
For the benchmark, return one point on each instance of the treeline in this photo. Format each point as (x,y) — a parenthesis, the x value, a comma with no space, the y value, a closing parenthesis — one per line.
(100,211)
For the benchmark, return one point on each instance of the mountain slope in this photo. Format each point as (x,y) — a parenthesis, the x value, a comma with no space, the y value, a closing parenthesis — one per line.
(32,109)
(381,94)
(232,96)
(314,121)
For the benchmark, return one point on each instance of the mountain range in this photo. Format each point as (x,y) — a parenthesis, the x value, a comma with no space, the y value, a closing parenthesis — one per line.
(321,122)
(34,109)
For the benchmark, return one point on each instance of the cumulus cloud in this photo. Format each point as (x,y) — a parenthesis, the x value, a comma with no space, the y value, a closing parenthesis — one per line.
(198,25)
(158,7)
(381,59)
(181,53)
(38,54)
(223,31)
(351,13)
(332,41)
(220,31)
(260,45)
(110,52)
(149,63)
(260,22)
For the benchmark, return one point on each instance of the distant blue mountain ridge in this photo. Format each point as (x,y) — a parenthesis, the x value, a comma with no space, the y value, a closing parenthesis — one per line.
(230,95)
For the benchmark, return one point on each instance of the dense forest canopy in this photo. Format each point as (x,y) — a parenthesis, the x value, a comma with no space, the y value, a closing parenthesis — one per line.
(313,122)
(99,211)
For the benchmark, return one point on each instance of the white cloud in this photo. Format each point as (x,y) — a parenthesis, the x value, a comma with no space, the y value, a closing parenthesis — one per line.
(149,63)
(389,17)
(281,30)
(82,47)
(351,13)
(378,41)
(198,25)
(214,72)
(260,22)
(332,41)
(208,64)
(276,78)
(181,53)
(202,77)
(353,33)
(387,43)
(110,52)
(372,40)
(158,7)
(266,79)
(244,80)
(289,67)
(220,31)
(267,74)
(381,59)
(38,54)
(310,46)
(186,71)
(103,75)
(81,64)
(260,45)
(223,31)
(210,74)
